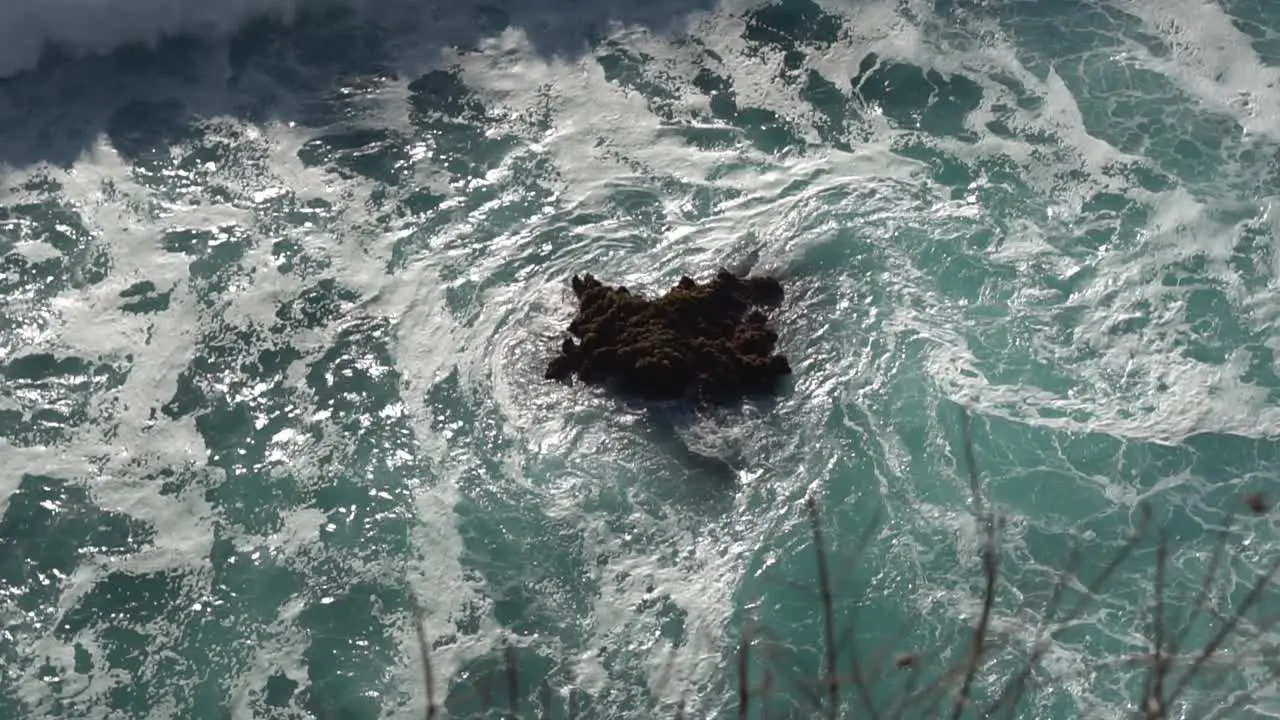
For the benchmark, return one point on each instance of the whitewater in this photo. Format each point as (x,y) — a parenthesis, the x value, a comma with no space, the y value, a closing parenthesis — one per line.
(279,280)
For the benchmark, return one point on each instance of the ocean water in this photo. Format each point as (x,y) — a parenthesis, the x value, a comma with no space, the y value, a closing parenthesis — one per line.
(279,281)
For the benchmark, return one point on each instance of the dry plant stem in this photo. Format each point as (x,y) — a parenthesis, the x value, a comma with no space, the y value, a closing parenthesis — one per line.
(424,650)
(849,636)
(513,683)
(971,461)
(1012,692)
(1111,567)
(799,684)
(957,681)
(935,690)
(1254,593)
(828,609)
(1175,644)
(1153,707)
(802,685)
(1274,670)
(1018,686)
(970,664)
(990,571)
(889,647)
(909,687)
(1272,680)
(767,687)
(744,692)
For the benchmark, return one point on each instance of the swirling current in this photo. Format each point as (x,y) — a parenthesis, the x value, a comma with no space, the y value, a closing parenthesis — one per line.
(278,283)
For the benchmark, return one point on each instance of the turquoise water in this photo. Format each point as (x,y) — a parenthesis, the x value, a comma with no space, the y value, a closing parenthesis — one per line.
(277,296)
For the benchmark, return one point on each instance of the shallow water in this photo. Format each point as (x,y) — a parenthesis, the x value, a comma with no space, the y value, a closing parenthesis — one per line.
(277,295)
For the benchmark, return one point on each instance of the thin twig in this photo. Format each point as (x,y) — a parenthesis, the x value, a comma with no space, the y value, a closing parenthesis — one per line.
(1116,561)
(971,461)
(801,685)
(990,569)
(424,650)
(1273,678)
(972,660)
(909,685)
(890,647)
(937,691)
(1013,692)
(828,609)
(1153,707)
(744,691)
(849,637)
(1254,593)
(513,682)
(1193,614)
(766,689)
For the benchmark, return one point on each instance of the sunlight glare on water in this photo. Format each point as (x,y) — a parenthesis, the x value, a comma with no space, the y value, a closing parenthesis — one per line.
(279,282)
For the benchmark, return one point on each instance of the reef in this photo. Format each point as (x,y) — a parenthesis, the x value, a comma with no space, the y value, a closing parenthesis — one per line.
(710,342)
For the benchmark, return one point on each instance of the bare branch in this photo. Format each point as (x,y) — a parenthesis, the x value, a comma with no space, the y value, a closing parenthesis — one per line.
(990,569)
(1013,692)
(744,690)
(1193,614)
(828,609)
(1273,679)
(990,572)
(424,652)
(1153,707)
(513,682)
(1254,593)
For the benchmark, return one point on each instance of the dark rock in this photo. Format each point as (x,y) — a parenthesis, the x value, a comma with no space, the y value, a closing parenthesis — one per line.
(708,341)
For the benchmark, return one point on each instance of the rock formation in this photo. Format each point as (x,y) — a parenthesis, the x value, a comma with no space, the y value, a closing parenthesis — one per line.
(710,341)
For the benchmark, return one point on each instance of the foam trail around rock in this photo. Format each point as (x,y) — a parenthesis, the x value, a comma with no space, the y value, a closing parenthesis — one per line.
(277,300)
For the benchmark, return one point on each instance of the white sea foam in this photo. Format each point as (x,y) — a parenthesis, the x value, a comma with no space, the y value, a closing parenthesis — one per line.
(605,138)
(1212,61)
